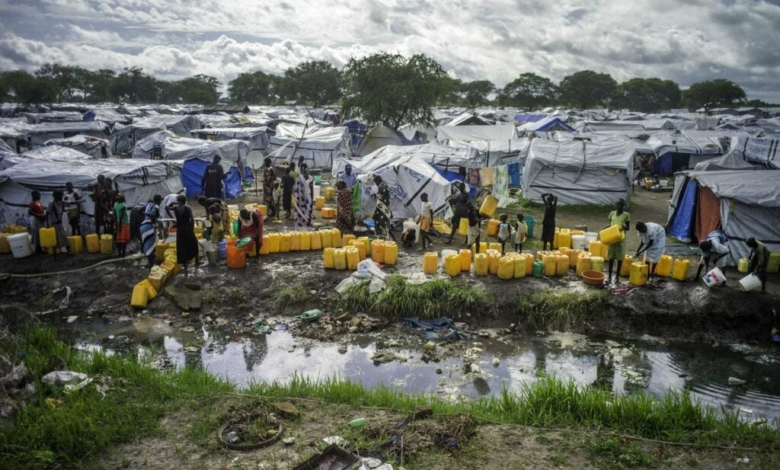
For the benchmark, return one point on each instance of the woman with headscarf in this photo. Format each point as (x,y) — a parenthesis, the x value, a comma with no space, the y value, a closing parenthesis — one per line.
(251,225)
(382,215)
(186,241)
(345,218)
(269,180)
(304,200)
(149,228)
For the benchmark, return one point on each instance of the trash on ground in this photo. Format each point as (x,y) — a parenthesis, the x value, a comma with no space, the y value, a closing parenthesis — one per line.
(436,330)
(63,377)
(736,381)
(335,440)
(385,357)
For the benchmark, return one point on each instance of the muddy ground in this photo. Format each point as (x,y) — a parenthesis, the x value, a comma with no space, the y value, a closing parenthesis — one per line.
(189,440)
(682,311)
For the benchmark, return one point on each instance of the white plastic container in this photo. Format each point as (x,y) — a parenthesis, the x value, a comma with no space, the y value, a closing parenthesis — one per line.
(317,191)
(591,237)
(714,278)
(20,245)
(578,242)
(749,283)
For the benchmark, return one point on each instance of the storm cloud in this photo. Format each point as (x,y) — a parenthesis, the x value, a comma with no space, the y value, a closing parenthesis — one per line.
(491,39)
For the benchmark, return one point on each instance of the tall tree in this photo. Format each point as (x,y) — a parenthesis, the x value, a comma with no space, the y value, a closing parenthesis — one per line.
(529,91)
(67,79)
(391,89)
(97,85)
(450,91)
(647,95)
(713,93)
(587,88)
(135,86)
(251,88)
(280,90)
(315,82)
(200,89)
(476,93)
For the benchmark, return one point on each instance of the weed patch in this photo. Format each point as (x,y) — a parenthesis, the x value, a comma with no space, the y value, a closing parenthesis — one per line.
(560,311)
(401,299)
(618,454)
(291,296)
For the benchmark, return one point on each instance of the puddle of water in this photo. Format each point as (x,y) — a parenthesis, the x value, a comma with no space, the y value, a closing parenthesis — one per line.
(621,366)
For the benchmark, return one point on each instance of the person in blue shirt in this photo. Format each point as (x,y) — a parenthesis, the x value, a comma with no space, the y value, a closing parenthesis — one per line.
(347,176)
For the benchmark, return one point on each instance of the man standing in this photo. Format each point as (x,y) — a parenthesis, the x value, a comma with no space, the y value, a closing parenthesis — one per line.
(759,260)
(548,223)
(211,184)
(269,181)
(617,251)
(347,176)
(72,202)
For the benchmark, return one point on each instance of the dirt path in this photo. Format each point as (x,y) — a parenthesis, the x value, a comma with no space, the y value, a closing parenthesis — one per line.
(188,441)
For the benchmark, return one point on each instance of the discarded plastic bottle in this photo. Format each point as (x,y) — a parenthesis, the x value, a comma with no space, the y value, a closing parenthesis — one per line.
(357,423)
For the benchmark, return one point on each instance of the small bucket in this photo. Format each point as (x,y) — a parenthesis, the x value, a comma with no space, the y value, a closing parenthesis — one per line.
(714,278)
(749,283)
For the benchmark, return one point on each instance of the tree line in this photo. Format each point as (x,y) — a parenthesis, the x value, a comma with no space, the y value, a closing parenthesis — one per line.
(380,88)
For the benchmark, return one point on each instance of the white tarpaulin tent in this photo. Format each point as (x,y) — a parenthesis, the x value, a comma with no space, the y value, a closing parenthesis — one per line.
(579,172)
(124,138)
(40,133)
(760,151)
(138,180)
(92,146)
(320,147)
(749,206)
(475,133)
(445,158)
(257,137)
(376,138)
(196,155)
(408,177)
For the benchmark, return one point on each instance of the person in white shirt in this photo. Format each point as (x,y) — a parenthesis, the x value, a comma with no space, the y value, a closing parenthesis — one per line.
(425,220)
(714,249)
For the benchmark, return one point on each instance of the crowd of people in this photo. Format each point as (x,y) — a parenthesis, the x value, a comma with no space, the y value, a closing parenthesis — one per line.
(292,197)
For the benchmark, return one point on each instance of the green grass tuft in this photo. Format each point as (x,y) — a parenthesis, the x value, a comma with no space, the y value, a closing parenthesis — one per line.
(560,310)
(402,299)
(291,296)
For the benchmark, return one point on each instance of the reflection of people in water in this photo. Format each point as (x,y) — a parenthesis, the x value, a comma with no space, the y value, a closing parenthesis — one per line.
(255,349)
(605,372)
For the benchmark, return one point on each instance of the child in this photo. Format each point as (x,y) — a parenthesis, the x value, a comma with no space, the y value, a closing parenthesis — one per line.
(408,238)
(474,230)
(504,231)
(122,217)
(521,233)
(278,200)
(425,220)
(217,228)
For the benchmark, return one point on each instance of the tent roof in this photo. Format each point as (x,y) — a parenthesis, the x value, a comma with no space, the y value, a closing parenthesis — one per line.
(432,154)
(55,153)
(545,124)
(748,187)
(81,126)
(467,118)
(475,133)
(583,155)
(236,132)
(663,143)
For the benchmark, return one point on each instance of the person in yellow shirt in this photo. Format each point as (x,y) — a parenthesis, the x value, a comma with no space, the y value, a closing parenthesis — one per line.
(617,251)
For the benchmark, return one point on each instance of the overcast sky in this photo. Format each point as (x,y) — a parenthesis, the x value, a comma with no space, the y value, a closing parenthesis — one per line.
(683,40)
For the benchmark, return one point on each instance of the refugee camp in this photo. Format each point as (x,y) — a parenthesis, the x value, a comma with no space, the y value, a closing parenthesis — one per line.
(250,242)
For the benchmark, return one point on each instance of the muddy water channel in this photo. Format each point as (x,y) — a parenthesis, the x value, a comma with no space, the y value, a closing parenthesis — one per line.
(462,369)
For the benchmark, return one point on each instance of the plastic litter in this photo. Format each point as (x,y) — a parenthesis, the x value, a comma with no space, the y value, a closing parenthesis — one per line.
(357,423)
(64,377)
(376,285)
(311,315)
(736,381)
(337,440)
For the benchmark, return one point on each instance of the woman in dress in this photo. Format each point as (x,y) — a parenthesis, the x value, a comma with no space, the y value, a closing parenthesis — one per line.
(382,215)
(186,241)
(122,217)
(55,214)
(269,181)
(304,200)
(345,219)
(149,228)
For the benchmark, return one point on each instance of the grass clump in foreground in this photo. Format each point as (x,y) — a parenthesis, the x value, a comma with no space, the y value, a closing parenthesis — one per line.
(401,299)
(291,296)
(560,310)
(87,423)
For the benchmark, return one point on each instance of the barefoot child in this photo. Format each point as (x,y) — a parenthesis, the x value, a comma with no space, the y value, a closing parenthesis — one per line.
(520,234)
(425,220)
(504,232)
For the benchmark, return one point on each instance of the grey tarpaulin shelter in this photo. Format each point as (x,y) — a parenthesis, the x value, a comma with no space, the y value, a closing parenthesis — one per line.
(443,158)
(39,134)
(138,180)
(320,147)
(376,138)
(476,133)
(92,146)
(256,137)
(124,138)
(579,172)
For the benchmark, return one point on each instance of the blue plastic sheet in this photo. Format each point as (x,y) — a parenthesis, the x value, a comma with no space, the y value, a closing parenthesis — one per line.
(681,227)
(436,330)
(192,175)
(514,174)
(452,176)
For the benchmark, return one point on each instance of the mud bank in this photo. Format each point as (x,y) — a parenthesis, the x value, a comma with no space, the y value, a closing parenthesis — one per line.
(291,283)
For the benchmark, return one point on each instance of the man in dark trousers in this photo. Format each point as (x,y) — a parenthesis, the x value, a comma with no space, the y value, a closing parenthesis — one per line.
(548,223)
(211,184)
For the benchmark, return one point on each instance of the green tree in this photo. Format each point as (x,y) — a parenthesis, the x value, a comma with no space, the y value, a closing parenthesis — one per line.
(450,91)
(134,86)
(252,88)
(529,91)
(713,94)
(68,79)
(315,82)
(200,89)
(280,90)
(97,85)
(391,89)
(647,95)
(476,93)
(587,88)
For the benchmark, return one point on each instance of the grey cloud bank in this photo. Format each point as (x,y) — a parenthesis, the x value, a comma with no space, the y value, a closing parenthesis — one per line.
(493,39)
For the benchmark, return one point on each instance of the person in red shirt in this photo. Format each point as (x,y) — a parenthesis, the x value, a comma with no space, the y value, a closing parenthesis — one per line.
(37,214)
(251,225)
